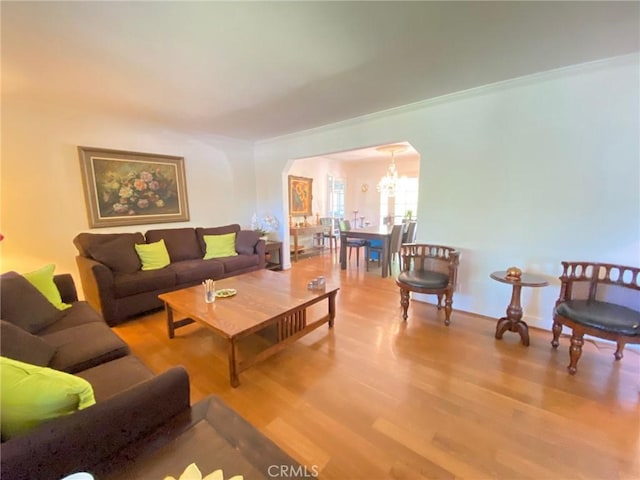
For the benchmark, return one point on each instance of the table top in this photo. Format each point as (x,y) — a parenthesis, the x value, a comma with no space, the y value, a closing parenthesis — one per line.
(372,232)
(262,295)
(526,280)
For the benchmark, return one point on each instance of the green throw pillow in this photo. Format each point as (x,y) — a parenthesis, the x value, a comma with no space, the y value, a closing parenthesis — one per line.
(153,255)
(220,246)
(42,279)
(31,395)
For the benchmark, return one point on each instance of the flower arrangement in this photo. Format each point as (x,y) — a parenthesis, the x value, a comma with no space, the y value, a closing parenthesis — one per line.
(267,225)
(137,193)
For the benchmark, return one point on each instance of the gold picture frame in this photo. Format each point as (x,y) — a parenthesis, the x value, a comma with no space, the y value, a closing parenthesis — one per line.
(132,188)
(300,196)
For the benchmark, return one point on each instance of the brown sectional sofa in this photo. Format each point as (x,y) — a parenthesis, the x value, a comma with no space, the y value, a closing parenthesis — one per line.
(131,402)
(142,425)
(114,284)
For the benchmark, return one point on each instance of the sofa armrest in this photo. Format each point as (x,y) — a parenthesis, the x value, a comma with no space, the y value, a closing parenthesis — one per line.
(67,287)
(88,437)
(261,251)
(97,285)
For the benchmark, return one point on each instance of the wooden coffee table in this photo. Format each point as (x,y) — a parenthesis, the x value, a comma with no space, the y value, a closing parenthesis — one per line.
(265,300)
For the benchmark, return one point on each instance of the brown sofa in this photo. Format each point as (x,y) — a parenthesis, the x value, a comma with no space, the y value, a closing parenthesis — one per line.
(141,426)
(114,284)
(131,402)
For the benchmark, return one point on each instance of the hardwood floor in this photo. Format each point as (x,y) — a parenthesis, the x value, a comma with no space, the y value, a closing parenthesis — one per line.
(378,398)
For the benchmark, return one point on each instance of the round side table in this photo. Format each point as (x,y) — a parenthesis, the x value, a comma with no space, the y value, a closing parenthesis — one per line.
(513,320)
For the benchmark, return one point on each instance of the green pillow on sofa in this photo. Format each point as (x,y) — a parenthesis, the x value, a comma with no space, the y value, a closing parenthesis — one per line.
(31,395)
(24,305)
(153,255)
(42,279)
(219,246)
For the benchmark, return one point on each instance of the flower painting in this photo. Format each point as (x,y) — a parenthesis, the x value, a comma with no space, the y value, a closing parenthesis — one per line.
(300,196)
(127,188)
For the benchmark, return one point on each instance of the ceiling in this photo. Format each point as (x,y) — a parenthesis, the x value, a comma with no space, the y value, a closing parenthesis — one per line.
(257,70)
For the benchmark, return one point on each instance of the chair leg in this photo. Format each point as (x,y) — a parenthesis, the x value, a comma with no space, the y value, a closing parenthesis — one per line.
(448,303)
(618,353)
(358,257)
(404,302)
(575,351)
(557,330)
(440,301)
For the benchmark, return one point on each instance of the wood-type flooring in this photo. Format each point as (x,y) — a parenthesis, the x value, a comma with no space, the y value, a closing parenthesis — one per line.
(380,398)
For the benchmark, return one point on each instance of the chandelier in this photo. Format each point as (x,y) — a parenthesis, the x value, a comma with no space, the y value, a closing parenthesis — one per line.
(389,182)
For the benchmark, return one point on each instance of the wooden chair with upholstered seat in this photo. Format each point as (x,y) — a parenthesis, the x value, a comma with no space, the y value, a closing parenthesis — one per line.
(394,247)
(357,243)
(590,311)
(333,234)
(428,269)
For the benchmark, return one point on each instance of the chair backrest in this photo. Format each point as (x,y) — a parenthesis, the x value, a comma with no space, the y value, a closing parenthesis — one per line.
(435,258)
(345,225)
(396,239)
(326,221)
(411,232)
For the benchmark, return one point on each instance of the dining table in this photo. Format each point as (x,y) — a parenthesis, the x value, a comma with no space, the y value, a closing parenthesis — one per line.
(381,232)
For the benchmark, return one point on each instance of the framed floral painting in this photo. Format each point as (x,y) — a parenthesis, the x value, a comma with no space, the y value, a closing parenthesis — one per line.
(131,188)
(300,196)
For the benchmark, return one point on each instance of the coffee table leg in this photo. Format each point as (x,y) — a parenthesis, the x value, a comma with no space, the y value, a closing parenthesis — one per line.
(332,308)
(170,327)
(233,368)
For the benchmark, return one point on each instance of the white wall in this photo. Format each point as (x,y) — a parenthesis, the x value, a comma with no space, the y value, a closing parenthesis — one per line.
(528,172)
(42,200)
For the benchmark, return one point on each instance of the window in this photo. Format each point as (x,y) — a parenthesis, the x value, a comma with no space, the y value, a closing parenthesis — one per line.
(405,200)
(335,194)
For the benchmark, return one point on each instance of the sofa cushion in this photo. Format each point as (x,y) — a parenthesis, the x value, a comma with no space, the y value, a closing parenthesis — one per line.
(119,253)
(84,346)
(85,241)
(240,262)
(127,284)
(194,271)
(201,232)
(23,305)
(20,345)
(80,313)
(31,395)
(220,246)
(111,378)
(181,243)
(246,241)
(153,256)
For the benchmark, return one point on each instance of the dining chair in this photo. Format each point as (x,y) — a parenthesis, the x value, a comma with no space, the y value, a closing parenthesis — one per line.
(410,234)
(332,235)
(374,250)
(351,243)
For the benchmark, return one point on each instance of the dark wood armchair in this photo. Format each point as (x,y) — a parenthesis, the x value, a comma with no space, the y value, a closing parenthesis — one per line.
(429,269)
(582,311)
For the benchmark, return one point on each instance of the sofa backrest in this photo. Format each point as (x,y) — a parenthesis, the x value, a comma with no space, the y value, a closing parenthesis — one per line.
(181,243)
(84,242)
(115,250)
(201,232)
